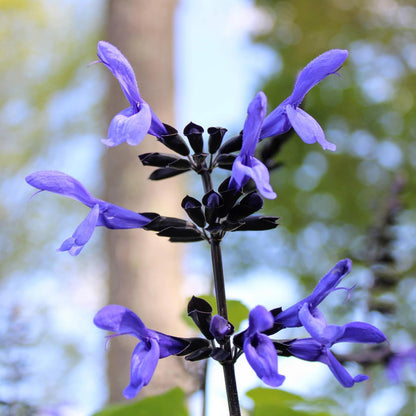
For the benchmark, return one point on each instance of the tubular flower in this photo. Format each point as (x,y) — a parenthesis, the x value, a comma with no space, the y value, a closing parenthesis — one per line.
(259,349)
(288,114)
(324,336)
(102,213)
(133,123)
(246,166)
(153,345)
(290,316)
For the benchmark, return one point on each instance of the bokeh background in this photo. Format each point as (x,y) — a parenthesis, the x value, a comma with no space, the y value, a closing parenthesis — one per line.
(203,61)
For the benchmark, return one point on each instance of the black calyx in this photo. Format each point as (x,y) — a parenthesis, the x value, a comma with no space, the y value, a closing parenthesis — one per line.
(194,134)
(176,229)
(194,210)
(201,313)
(232,145)
(214,207)
(216,134)
(174,141)
(164,160)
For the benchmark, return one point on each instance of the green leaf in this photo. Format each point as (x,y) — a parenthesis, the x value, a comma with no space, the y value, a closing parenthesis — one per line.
(171,403)
(283,403)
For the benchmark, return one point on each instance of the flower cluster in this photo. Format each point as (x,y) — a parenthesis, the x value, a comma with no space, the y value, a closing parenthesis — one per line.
(260,350)
(229,208)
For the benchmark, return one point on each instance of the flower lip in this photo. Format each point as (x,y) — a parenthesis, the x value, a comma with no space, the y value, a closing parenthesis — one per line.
(259,349)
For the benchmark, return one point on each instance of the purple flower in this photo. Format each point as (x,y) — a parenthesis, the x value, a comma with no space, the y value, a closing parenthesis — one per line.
(102,213)
(397,363)
(324,336)
(290,316)
(246,166)
(259,349)
(220,328)
(288,114)
(153,345)
(133,123)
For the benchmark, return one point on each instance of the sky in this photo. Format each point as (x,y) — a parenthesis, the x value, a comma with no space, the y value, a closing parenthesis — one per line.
(218,68)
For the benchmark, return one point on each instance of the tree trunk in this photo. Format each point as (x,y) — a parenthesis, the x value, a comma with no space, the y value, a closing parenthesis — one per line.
(144,270)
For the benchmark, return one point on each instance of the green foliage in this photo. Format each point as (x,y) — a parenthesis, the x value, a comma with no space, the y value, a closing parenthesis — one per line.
(171,403)
(278,402)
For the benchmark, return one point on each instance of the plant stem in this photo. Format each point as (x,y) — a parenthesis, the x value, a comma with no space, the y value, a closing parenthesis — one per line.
(228,367)
(206,178)
(219,286)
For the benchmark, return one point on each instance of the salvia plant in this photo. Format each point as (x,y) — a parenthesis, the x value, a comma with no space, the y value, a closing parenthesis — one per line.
(230,207)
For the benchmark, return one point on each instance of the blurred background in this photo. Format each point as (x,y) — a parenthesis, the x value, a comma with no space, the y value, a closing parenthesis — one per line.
(203,61)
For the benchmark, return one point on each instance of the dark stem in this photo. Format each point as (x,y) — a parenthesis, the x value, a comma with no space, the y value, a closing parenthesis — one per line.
(206,179)
(219,286)
(228,368)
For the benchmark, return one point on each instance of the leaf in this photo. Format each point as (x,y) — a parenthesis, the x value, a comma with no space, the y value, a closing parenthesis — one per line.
(269,401)
(171,403)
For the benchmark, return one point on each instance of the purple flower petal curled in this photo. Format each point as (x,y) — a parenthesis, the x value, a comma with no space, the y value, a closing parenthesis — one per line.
(262,357)
(259,349)
(307,128)
(82,234)
(316,325)
(143,365)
